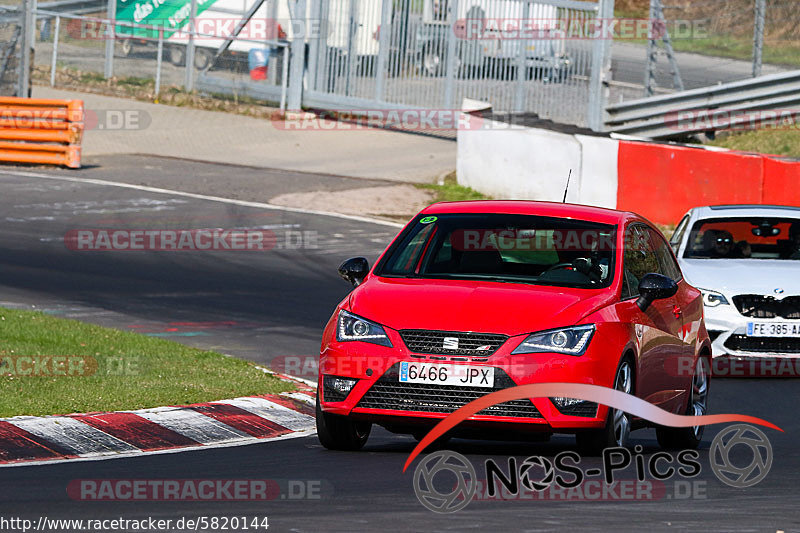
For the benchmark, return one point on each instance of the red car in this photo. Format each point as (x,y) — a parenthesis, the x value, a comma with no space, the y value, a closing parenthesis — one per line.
(474,297)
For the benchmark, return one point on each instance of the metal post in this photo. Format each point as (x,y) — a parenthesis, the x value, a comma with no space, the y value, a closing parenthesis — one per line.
(111,33)
(316,29)
(522,70)
(383,49)
(188,79)
(297,67)
(284,77)
(26,45)
(452,50)
(677,81)
(758,35)
(601,67)
(159,59)
(650,68)
(55,53)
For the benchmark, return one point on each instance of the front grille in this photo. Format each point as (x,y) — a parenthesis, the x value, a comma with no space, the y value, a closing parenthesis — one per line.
(744,343)
(756,306)
(473,345)
(389,393)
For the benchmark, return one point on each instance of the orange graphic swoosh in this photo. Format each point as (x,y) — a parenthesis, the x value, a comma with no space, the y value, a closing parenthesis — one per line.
(593,393)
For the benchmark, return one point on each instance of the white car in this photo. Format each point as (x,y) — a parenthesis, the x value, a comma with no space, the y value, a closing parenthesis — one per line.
(746,261)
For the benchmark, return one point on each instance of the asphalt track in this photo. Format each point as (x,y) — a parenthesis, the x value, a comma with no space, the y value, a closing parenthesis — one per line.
(264,305)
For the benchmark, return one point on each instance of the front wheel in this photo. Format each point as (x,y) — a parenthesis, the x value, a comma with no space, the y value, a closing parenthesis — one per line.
(337,432)
(697,405)
(618,424)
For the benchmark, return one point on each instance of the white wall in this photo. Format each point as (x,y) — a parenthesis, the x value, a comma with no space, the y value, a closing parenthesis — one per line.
(599,170)
(518,163)
(511,162)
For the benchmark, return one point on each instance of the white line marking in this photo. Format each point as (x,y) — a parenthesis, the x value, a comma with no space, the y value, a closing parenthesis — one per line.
(139,453)
(260,205)
(190,423)
(274,412)
(73,435)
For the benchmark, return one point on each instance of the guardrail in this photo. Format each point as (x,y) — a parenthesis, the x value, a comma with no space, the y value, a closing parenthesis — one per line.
(746,104)
(41,131)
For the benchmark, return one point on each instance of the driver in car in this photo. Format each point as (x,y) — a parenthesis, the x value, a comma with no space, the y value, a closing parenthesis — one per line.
(793,251)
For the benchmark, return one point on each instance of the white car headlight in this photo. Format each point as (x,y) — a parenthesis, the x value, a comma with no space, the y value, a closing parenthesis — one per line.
(352,327)
(570,341)
(713,298)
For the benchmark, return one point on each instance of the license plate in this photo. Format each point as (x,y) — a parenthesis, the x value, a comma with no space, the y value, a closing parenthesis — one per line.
(436,374)
(773,329)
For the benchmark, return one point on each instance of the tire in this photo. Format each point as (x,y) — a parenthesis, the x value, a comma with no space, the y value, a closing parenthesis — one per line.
(202,58)
(177,55)
(337,432)
(697,404)
(617,430)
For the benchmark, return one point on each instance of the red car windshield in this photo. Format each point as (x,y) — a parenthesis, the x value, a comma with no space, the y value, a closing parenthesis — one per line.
(510,248)
(744,238)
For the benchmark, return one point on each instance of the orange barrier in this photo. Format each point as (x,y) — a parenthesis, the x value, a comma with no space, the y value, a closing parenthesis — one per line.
(663,181)
(41,131)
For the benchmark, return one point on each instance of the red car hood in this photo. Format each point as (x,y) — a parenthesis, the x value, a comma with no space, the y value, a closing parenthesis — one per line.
(480,306)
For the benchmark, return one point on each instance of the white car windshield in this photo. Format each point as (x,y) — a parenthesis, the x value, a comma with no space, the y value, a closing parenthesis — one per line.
(744,238)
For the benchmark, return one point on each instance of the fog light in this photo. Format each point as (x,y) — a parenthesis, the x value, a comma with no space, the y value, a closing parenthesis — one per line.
(343,385)
(336,389)
(565,402)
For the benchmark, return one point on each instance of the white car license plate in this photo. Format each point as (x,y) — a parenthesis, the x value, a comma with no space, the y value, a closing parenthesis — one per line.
(436,374)
(773,329)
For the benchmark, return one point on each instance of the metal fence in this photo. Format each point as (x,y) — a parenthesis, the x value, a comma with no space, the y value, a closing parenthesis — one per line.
(11,36)
(344,54)
(436,53)
(78,50)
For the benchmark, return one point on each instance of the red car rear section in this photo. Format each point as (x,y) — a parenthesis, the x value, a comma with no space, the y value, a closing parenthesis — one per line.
(662,343)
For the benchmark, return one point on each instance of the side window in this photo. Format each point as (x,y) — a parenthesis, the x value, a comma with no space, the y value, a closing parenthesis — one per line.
(639,258)
(408,259)
(677,235)
(667,264)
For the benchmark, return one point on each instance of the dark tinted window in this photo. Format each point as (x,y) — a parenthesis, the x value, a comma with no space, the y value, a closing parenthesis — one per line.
(513,248)
(744,238)
(639,258)
(666,262)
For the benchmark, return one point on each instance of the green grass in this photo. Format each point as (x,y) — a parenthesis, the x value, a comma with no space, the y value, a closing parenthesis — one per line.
(451,191)
(132,371)
(782,53)
(767,141)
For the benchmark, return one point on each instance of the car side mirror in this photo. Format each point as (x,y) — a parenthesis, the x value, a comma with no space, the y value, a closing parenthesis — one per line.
(654,287)
(354,270)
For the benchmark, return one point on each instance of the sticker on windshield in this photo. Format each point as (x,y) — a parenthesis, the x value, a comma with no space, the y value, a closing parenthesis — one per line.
(428,220)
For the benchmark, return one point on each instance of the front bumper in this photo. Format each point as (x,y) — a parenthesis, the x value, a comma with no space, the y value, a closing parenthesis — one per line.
(728,330)
(379,397)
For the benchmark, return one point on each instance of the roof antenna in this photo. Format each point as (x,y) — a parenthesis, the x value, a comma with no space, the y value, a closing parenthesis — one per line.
(567,187)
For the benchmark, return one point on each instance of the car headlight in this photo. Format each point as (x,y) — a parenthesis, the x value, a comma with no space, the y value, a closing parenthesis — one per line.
(713,298)
(570,341)
(352,327)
